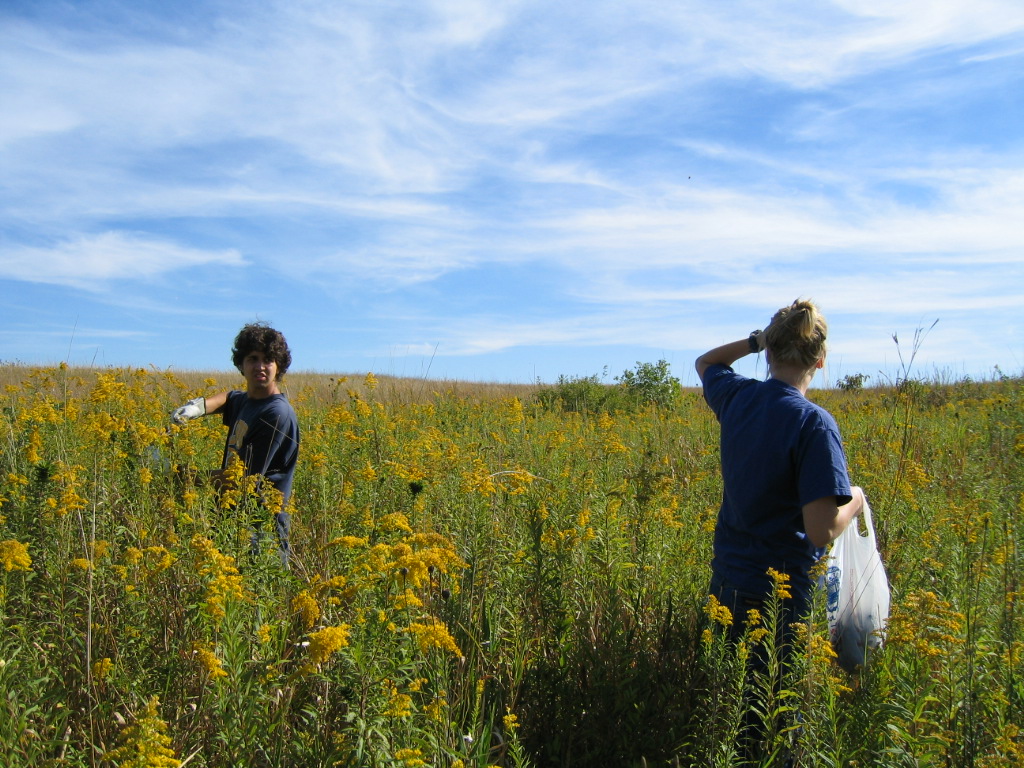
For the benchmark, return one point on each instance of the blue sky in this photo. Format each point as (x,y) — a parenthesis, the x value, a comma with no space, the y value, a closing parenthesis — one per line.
(506,191)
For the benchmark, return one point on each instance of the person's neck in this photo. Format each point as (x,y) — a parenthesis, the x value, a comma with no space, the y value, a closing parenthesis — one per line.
(798,378)
(263,393)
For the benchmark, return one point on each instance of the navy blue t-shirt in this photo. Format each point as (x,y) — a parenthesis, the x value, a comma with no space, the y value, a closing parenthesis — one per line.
(780,451)
(265,435)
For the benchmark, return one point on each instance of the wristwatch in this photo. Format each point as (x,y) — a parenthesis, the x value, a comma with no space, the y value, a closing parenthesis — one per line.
(756,341)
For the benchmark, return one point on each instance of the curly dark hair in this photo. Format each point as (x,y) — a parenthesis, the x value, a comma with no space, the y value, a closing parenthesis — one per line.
(260,337)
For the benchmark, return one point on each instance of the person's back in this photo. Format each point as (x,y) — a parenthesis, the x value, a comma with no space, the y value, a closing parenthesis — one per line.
(778,452)
(786,491)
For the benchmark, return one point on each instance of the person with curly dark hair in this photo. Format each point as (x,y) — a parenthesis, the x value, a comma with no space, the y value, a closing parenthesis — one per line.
(263,430)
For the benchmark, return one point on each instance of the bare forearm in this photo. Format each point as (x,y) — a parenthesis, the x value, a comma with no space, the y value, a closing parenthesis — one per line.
(824,521)
(215,402)
(727,354)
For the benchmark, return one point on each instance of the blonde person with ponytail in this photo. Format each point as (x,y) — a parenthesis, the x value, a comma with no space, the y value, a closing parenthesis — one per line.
(787,493)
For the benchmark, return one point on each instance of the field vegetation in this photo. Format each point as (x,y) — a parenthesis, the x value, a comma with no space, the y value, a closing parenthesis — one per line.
(484,575)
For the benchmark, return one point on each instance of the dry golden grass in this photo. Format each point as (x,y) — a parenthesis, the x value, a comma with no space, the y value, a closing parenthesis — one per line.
(312,387)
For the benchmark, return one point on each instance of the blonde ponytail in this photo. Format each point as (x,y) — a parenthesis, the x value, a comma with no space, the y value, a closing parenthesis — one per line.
(796,334)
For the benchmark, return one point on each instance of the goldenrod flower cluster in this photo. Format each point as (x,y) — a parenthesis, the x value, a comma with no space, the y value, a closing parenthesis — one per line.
(717,612)
(925,623)
(755,631)
(224,582)
(209,661)
(437,708)
(101,669)
(14,556)
(145,743)
(399,704)
(411,758)
(434,634)
(306,608)
(325,643)
(780,584)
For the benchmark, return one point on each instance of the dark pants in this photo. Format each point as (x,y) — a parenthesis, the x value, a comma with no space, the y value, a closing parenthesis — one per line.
(792,610)
(283,526)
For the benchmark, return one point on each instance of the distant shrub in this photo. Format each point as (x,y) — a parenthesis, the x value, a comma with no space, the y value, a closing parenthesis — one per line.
(854,382)
(577,394)
(647,384)
(650,384)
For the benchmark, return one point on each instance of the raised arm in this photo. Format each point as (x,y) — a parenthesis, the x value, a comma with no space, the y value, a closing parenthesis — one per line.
(727,354)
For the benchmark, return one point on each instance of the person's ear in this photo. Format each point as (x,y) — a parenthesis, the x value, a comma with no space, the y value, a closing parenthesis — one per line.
(821,363)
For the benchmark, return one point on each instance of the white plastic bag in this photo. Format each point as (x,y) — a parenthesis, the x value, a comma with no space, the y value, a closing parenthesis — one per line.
(857,594)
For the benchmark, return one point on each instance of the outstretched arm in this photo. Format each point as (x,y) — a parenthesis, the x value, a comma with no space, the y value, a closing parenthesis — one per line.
(198,406)
(215,402)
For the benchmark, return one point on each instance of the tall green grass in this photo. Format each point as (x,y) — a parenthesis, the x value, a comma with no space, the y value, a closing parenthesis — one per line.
(481,580)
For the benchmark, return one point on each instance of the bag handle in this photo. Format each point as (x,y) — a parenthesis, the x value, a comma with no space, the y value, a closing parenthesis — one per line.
(869,524)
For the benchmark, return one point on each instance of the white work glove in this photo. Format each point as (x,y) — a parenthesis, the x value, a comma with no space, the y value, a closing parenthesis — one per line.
(193,409)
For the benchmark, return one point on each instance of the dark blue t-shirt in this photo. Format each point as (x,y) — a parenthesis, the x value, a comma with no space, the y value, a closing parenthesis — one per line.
(265,435)
(780,451)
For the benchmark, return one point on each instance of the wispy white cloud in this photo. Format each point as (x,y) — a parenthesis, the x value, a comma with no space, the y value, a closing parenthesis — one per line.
(639,154)
(92,262)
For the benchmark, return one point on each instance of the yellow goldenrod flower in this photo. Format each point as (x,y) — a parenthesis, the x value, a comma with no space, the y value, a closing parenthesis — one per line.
(926,624)
(101,669)
(411,758)
(324,643)
(82,563)
(757,635)
(394,521)
(780,582)
(349,542)
(306,608)
(265,634)
(399,704)
(407,599)
(145,743)
(132,556)
(156,559)
(224,580)
(434,635)
(510,721)
(210,662)
(435,709)
(35,445)
(14,556)
(717,612)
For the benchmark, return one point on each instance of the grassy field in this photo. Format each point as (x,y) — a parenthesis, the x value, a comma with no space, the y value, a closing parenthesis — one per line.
(481,578)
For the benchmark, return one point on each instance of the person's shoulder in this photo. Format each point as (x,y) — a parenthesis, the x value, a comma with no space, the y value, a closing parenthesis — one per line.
(818,415)
(236,398)
(719,372)
(280,404)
